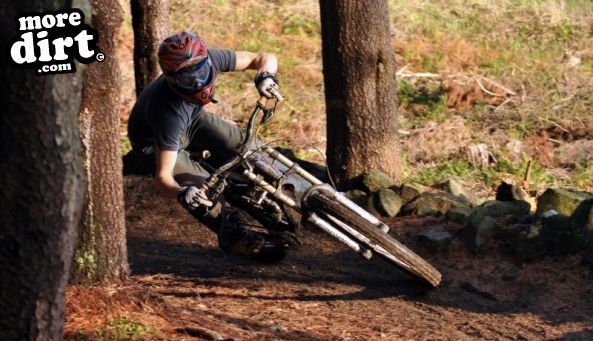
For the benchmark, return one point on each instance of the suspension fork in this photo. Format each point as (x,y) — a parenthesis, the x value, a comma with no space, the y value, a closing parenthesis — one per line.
(342,199)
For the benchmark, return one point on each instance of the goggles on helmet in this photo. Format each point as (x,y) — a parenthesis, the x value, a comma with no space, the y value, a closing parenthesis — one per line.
(194,77)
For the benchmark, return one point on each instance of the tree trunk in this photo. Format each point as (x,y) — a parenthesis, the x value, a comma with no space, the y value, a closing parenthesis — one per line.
(150,19)
(41,189)
(360,95)
(101,255)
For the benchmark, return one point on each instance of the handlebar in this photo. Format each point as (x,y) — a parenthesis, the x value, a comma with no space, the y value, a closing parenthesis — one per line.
(243,148)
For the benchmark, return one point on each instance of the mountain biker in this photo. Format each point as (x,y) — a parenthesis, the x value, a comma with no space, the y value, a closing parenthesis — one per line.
(169,122)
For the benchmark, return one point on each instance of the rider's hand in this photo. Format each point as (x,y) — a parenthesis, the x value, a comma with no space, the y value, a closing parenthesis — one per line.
(192,197)
(267,84)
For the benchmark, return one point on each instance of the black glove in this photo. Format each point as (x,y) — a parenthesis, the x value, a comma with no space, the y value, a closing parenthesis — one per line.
(191,198)
(267,84)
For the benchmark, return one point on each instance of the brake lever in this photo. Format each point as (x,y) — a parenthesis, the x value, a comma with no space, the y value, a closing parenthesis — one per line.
(268,111)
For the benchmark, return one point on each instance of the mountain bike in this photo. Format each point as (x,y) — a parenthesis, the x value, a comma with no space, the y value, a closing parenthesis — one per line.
(269,186)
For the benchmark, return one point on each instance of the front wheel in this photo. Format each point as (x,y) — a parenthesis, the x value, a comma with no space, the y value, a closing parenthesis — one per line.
(375,239)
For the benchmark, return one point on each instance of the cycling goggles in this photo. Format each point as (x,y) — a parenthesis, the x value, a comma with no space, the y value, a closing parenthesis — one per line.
(194,77)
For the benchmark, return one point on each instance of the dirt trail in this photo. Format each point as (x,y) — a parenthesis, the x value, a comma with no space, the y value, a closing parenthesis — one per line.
(185,287)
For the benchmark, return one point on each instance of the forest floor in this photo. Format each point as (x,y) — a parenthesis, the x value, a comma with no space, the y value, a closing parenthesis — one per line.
(183,287)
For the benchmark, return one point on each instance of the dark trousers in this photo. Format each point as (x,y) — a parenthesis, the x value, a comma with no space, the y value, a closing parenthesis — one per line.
(207,132)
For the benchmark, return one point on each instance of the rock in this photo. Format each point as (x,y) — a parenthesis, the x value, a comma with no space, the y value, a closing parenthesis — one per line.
(549,213)
(357,196)
(568,235)
(558,231)
(433,203)
(530,245)
(435,240)
(371,205)
(481,224)
(557,234)
(563,201)
(374,180)
(410,191)
(387,202)
(498,209)
(583,216)
(476,234)
(453,186)
(529,219)
(509,191)
(510,232)
(533,231)
(459,215)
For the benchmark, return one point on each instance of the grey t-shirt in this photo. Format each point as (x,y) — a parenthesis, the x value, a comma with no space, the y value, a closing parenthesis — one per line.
(160,117)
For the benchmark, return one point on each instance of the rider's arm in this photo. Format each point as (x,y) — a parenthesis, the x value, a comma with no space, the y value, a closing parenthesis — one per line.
(256,61)
(165,161)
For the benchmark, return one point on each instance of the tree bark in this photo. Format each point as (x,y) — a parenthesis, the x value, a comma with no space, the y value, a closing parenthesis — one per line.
(101,255)
(359,75)
(150,19)
(42,185)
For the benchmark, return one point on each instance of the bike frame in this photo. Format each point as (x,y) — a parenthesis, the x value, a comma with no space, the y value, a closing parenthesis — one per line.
(257,169)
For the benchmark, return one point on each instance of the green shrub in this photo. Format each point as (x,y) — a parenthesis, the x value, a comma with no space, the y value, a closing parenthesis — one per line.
(122,328)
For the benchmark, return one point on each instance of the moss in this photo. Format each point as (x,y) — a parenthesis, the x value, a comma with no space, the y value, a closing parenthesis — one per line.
(86,262)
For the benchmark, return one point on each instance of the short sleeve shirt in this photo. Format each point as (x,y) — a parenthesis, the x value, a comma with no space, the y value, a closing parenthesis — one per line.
(160,117)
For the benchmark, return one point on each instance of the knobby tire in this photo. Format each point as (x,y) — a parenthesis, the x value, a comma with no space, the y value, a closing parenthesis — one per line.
(417,266)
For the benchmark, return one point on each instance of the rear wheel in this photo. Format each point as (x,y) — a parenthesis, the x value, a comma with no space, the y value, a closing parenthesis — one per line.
(378,241)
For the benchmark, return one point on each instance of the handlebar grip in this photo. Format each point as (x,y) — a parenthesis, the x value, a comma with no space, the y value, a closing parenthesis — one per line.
(276,93)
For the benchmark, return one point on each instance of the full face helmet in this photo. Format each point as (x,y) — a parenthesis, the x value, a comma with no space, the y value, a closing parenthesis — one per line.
(184,60)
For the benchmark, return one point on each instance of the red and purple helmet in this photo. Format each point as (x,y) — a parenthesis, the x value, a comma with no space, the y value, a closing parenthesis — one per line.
(184,60)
